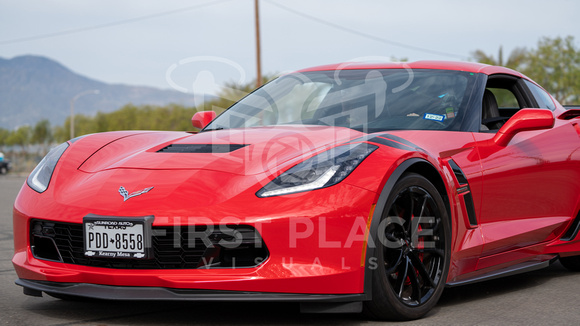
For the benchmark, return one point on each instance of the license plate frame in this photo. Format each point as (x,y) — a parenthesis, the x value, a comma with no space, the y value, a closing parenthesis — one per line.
(117,237)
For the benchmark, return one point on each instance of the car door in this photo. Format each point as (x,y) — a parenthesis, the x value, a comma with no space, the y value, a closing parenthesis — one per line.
(530,186)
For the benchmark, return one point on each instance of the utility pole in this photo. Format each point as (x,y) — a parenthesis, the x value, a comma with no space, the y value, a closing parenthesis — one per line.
(258,54)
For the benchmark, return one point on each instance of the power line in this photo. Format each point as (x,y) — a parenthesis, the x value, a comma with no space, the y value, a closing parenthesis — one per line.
(99,26)
(362,34)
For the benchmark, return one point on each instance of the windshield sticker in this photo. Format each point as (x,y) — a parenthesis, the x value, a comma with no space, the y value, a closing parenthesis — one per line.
(449,113)
(434,117)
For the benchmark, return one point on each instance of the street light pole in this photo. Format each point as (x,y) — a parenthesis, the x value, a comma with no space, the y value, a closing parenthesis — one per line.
(72,109)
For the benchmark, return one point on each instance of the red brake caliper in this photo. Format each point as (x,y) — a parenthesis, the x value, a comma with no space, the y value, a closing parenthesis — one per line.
(420,245)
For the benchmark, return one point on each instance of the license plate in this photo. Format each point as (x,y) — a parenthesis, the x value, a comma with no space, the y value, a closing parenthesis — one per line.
(117,237)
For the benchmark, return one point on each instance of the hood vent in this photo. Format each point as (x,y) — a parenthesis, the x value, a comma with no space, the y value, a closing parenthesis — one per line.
(201,148)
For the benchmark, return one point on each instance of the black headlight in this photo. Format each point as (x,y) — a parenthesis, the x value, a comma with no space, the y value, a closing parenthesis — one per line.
(320,171)
(41,175)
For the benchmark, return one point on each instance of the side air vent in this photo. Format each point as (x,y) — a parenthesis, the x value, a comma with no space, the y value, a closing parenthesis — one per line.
(458,173)
(572,230)
(573,112)
(201,148)
(464,191)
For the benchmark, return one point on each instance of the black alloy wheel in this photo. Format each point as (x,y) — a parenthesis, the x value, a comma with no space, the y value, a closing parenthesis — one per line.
(413,251)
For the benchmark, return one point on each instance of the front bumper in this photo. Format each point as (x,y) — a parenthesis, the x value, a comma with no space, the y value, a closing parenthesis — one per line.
(107,292)
(312,251)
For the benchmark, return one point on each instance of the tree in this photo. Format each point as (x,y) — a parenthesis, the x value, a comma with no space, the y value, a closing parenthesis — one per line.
(514,59)
(230,93)
(41,133)
(20,137)
(62,133)
(4,134)
(149,117)
(555,65)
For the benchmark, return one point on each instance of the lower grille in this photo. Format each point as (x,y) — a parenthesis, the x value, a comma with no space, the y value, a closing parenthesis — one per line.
(174,247)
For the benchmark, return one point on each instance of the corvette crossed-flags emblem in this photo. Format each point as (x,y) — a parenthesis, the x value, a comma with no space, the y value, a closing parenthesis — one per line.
(126,194)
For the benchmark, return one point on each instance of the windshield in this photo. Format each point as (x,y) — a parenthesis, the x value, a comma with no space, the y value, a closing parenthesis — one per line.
(364,100)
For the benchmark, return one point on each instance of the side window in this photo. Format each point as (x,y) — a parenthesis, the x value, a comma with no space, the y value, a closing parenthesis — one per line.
(506,100)
(504,96)
(544,100)
(498,105)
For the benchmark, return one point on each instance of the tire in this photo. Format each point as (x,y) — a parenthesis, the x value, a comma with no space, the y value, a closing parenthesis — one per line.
(3,170)
(413,252)
(572,263)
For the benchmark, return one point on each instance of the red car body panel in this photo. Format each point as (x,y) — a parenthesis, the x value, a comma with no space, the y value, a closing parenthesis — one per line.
(523,199)
(447,65)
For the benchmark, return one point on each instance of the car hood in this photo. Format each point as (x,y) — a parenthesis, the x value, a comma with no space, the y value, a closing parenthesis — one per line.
(238,151)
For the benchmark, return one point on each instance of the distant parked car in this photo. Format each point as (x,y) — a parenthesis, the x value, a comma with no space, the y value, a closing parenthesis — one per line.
(5,165)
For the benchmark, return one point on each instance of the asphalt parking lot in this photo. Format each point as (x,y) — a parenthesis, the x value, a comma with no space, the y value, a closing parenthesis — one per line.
(544,297)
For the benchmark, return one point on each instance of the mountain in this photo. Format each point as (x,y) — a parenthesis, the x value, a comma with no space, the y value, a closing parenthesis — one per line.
(33,88)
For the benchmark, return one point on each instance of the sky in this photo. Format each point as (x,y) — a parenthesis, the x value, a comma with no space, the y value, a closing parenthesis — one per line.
(202,44)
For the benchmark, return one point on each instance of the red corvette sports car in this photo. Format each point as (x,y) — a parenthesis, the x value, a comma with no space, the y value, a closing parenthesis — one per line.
(345,187)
